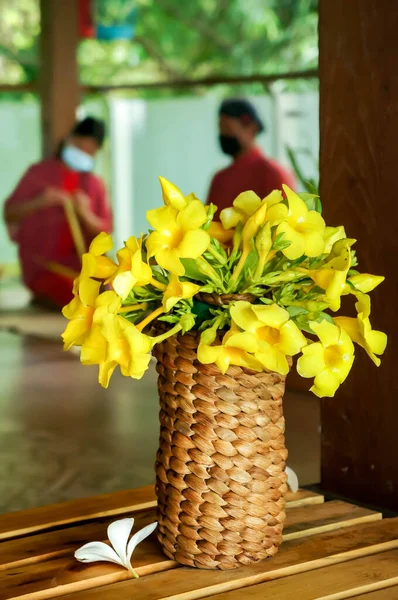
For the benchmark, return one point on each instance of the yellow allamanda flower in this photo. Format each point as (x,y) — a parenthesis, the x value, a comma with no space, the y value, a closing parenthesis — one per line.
(329,361)
(178,290)
(95,352)
(127,346)
(80,312)
(94,263)
(303,228)
(114,341)
(177,235)
(218,232)
(267,333)
(244,206)
(173,196)
(363,282)
(360,330)
(332,235)
(332,276)
(224,355)
(132,270)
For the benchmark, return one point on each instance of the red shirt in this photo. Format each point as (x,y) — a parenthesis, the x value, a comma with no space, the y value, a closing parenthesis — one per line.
(44,235)
(251,171)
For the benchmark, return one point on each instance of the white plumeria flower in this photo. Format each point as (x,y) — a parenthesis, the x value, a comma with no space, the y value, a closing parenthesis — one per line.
(292,480)
(122,550)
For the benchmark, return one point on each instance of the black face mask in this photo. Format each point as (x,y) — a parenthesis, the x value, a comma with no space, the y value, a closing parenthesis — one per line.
(229,144)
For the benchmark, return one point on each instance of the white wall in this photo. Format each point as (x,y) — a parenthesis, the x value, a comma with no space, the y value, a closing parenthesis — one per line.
(177,139)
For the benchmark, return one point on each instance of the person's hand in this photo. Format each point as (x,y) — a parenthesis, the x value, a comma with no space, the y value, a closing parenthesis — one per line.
(53,196)
(82,203)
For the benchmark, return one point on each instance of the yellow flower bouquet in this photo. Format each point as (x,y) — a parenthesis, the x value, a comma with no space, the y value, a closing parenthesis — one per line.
(223,305)
(277,254)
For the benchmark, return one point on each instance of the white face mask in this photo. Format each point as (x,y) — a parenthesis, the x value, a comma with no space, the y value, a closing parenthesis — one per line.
(76,159)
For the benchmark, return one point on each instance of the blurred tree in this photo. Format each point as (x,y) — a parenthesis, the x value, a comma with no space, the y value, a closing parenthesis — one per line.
(173,39)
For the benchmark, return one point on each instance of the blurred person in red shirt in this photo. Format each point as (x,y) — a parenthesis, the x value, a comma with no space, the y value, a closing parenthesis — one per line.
(239,124)
(35,215)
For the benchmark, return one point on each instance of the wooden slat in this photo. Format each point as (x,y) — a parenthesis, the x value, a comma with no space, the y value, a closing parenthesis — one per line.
(300,522)
(307,521)
(61,542)
(116,503)
(74,511)
(360,576)
(388,594)
(188,584)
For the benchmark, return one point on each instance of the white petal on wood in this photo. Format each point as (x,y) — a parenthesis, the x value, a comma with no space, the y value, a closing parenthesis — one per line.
(97,551)
(292,480)
(139,537)
(118,534)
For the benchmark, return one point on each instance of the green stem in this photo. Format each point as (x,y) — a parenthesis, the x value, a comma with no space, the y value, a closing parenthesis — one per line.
(216,255)
(169,333)
(132,571)
(133,307)
(239,266)
(150,318)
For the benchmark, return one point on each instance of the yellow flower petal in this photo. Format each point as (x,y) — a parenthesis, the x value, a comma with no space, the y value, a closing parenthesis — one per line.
(277,213)
(312,360)
(217,231)
(163,219)
(245,341)
(332,235)
(297,241)
(273,198)
(325,384)
(105,372)
(291,339)
(243,315)
(327,333)
(132,244)
(88,291)
(247,202)
(297,207)
(230,217)
(172,195)
(124,283)
(105,267)
(76,331)
(272,315)
(365,282)
(169,260)
(193,244)
(193,216)
(314,243)
(273,360)
(101,244)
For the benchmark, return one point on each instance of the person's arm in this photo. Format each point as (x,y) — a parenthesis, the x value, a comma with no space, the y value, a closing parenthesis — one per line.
(16,212)
(100,218)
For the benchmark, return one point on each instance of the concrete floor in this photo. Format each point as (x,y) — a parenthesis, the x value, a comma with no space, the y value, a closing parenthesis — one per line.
(62,436)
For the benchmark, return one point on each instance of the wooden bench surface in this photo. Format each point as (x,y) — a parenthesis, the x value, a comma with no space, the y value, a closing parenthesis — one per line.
(331,551)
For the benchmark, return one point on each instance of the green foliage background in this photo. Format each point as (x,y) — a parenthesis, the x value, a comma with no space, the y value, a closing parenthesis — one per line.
(174,39)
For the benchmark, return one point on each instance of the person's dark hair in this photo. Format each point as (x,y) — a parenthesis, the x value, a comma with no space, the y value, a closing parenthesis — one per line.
(242,109)
(90,127)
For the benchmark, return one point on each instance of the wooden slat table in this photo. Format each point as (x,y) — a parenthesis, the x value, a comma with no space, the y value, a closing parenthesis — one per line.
(331,551)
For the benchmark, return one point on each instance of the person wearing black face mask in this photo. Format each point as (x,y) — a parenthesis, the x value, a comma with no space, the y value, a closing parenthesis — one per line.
(239,124)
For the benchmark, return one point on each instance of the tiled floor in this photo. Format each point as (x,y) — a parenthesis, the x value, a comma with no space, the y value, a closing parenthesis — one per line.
(62,436)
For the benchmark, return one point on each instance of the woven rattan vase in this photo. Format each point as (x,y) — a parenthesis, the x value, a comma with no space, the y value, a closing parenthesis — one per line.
(220,474)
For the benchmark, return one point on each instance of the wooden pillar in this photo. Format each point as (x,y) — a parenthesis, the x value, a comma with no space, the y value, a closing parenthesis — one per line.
(359,188)
(59,82)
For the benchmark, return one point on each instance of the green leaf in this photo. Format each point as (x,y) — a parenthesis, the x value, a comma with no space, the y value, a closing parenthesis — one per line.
(294,311)
(192,271)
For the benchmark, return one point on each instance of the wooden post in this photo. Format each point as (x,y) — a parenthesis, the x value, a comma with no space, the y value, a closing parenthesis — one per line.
(359,188)
(59,82)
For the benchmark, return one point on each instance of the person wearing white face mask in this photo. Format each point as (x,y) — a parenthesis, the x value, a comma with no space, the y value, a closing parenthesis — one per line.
(35,215)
